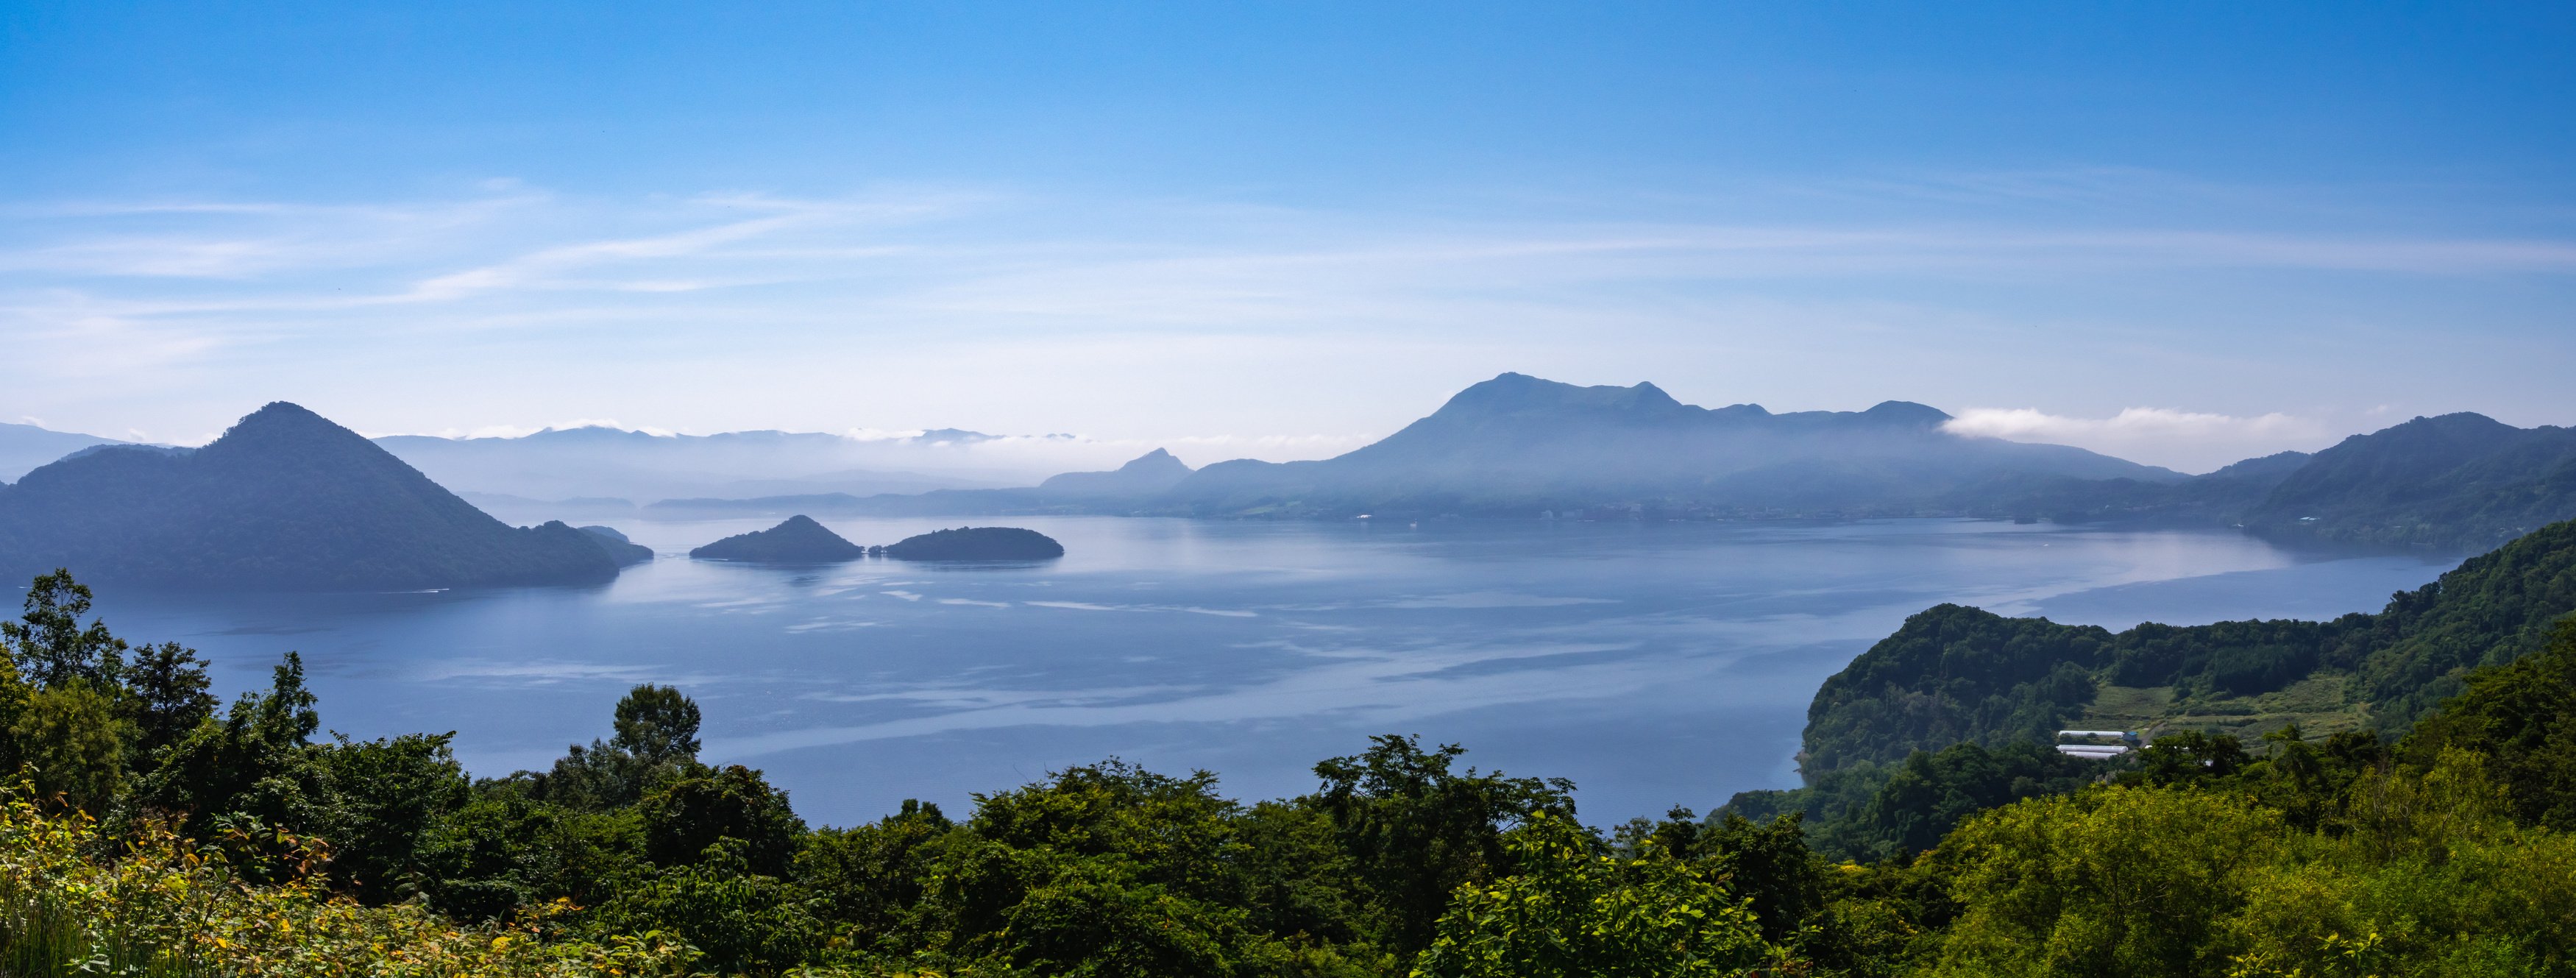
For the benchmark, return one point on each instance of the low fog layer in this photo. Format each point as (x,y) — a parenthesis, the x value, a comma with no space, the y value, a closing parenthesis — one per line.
(599,462)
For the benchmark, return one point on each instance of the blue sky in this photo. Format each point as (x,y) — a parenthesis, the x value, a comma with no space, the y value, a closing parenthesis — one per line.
(2184,233)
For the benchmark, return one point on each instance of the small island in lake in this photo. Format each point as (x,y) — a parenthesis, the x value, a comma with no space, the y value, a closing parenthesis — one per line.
(800,540)
(978,543)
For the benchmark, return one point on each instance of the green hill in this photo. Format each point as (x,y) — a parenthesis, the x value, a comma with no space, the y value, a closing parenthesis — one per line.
(285,500)
(1955,674)
(2457,482)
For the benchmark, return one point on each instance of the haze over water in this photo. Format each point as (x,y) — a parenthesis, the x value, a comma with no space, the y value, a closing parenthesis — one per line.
(1654,663)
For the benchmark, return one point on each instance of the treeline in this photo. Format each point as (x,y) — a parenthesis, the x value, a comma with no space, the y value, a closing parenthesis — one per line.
(228,839)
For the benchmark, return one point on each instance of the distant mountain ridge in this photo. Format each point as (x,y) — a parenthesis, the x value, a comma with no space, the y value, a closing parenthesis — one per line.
(284,500)
(2446,481)
(1152,473)
(1516,444)
(23,447)
(2457,482)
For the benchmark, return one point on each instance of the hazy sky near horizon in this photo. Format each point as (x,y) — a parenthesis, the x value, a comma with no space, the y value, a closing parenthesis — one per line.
(2182,233)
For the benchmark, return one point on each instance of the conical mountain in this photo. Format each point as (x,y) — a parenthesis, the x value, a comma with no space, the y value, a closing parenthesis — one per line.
(285,500)
(1145,475)
(799,540)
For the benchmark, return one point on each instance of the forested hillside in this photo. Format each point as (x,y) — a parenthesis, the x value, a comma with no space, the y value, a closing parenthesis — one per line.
(2458,482)
(285,500)
(1955,674)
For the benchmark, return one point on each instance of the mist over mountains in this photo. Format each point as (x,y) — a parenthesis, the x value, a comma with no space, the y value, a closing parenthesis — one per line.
(287,499)
(1519,445)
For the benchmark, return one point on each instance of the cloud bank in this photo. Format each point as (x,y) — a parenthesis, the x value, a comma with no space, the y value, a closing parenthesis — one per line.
(2189,441)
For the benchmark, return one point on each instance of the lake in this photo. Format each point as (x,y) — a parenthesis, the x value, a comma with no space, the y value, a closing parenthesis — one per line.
(1656,664)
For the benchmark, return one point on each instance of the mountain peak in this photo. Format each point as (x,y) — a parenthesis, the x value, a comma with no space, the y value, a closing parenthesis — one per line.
(285,499)
(284,414)
(1907,414)
(1512,393)
(1154,462)
(1145,475)
(282,430)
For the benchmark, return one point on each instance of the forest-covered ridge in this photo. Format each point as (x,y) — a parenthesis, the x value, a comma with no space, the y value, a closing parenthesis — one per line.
(1955,674)
(284,500)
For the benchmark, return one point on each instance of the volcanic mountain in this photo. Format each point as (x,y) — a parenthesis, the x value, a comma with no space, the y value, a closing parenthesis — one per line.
(1517,444)
(285,500)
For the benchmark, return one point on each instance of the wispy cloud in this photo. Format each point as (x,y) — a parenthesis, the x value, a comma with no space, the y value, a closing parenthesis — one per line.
(2148,432)
(1063,295)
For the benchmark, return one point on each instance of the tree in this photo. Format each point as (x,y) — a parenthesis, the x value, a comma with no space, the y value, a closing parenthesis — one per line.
(1096,918)
(746,922)
(656,724)
(1417,830)
(691,813)
(1770,865)
(48,643)
(2521,716)
(1178,830)
(1571,910)
(870,876)
(386,798)
(256,761)
(655,739)
(68,736)
(2111,881)
(166,695)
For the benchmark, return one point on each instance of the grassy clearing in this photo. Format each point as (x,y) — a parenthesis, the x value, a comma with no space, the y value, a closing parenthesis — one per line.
(2320,704)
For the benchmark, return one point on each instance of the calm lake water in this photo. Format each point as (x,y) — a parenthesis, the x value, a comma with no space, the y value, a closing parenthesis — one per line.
(1655,664)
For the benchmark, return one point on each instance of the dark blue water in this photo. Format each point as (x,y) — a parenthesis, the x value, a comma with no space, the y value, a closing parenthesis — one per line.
(1655,664)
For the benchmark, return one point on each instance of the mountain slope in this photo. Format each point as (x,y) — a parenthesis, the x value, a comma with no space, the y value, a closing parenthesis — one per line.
(1152,473)
(2457,480)
(284,500)
(23,447)
(1518,444)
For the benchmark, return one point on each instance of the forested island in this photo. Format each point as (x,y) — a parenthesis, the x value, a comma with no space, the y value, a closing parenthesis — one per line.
(2421,826)
(977,543)
(799,540)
